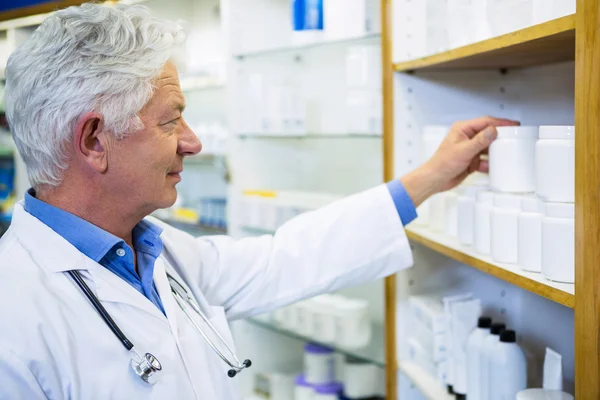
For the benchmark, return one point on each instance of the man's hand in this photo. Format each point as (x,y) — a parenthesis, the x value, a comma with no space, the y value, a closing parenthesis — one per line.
(458,156)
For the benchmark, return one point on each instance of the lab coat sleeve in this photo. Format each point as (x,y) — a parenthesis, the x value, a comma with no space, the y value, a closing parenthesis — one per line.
(16,380)
(351,241)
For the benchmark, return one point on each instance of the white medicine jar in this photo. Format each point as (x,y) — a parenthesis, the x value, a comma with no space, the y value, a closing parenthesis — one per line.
(530,234)
(481,225)
(555,164)
(505,228)
(512,159)
(558,242)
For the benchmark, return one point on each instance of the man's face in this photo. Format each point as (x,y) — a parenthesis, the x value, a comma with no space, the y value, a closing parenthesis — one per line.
(147,164)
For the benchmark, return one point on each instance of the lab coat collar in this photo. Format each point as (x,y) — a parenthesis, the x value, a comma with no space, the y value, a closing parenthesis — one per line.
(58,255)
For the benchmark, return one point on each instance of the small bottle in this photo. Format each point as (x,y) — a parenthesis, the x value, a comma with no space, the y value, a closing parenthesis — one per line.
(486,353)
(508,368)
(475,356)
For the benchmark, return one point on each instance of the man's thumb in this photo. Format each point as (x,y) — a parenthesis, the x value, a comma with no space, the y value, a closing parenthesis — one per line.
(482,140)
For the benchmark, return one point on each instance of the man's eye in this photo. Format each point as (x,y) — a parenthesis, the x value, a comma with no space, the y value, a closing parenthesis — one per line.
(172,122)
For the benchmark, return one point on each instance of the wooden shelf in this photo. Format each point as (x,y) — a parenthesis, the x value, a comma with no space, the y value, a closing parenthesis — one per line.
(546,43)
(430,388)
(562,293)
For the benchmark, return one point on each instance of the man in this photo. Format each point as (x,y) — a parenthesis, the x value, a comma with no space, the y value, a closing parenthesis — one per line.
(95,107)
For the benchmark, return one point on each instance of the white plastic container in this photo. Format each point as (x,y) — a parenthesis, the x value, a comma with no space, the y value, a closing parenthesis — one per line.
(558,242)
(302,389)
(466,213)
(512,159)
(324,318)
(451,213)
(489,342)
(305,317)
(361,380)
(319,364)
(474,357)
(352,323)
(437,212)
(330,391)
(508,368)
(543,394)
(505,228)
(465,315)
(555,164)
(530,234)
(482,222)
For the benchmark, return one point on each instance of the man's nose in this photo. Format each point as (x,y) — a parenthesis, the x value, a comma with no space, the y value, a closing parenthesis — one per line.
(189,144)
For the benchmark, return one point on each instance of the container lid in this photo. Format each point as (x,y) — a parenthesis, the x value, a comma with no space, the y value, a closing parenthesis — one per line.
(478,179)
(557,132)
(484,322)
(509,201)
(485,197)
(532,204)
(518,132)
(543,394)
(508,336)
(560,210)
(301,381)
(496,328)
(329,388)
(313,348)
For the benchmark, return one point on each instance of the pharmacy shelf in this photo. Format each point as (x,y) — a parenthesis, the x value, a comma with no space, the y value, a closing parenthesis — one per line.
(562,293)
(193,228)
(374,353)
(201,83)
(430,388)
(308,136)
(549,42)
(203,159)
(364,39)
(6,151)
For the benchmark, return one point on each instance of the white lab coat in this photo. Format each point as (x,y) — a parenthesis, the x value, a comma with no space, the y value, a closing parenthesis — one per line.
(53,344)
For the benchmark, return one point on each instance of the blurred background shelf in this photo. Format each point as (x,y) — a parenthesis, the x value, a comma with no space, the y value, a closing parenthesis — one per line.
(546,43)
(309,136)
(427,384)
(562,293)
(368,38)
(373,353)
(195,229)
(6,151)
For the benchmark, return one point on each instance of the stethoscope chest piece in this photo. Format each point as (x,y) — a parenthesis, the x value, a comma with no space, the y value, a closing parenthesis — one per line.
(145,366)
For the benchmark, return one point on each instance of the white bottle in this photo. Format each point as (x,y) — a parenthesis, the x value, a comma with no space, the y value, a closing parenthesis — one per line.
(508,372)
(486,353)
(474,356)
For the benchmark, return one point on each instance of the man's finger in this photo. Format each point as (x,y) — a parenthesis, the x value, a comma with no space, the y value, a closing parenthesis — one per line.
(473,126)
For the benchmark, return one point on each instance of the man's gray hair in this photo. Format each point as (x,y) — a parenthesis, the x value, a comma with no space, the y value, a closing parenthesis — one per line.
(81,59)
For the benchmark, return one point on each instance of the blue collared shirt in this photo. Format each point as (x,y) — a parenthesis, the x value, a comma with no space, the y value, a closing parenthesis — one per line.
(115,255)
(105,248)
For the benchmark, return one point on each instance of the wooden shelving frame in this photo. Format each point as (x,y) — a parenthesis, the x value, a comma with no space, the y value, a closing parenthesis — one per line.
(572,38)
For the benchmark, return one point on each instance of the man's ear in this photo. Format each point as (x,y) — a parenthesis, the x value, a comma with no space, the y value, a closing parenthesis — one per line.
(90,141)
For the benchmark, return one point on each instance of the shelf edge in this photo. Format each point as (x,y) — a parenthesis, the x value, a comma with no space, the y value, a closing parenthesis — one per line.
(558,296)
(529,34)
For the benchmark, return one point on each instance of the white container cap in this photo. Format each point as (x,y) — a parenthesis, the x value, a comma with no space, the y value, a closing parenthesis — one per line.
(543,394)
(436,130)
(518,132)
(478,179)
(509,201)
(560,210)
(485,197)
(557,132)
(532,204)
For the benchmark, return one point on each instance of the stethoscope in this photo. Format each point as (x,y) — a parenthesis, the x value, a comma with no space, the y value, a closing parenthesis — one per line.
(146,366)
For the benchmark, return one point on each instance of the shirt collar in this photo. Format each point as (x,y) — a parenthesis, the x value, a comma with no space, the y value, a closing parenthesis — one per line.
(86,237)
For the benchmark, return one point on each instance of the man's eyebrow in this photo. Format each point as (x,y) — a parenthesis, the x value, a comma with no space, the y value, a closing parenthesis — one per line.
(179,106)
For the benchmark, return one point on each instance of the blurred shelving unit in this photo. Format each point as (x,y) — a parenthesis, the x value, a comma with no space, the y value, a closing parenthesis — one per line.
(561,51)
(373,354)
